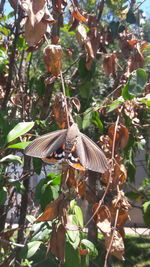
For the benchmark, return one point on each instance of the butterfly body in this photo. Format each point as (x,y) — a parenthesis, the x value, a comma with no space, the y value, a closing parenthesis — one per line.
(69,145)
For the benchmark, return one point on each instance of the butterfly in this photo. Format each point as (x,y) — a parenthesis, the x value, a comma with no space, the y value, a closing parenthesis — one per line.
(69,145)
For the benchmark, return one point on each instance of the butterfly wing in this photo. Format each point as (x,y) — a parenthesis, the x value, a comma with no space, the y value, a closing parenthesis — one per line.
(91,156)
(46,144)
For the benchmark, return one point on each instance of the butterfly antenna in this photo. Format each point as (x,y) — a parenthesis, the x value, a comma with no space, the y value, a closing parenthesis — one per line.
(64,93)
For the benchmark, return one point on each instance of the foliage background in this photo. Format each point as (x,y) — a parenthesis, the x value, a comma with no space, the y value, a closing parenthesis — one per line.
(111,82)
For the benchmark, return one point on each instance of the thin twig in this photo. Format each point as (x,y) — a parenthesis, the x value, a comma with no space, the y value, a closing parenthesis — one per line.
(112,237)
(11,243)
(64,92)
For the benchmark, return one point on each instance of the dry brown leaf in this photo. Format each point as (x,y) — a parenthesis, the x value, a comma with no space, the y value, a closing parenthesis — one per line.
(118,176)
(83,252)
(102,212)
(53,59)
(122,218)
(81,189)
(136,61)
(104,144)
(35,10)
(71,181)
(61,239)
(57,242)
(51,211)
(59,6)
(119,202)
(130,109)
(59,110)
(77,15)
(122,135)
(33,35)
(102,218)
(76,102)
(52,245)
(117,248)
(110,65)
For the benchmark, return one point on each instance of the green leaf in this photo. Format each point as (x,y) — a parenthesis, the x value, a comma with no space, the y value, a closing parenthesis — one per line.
(132,195)
(87,118)
(89,245)
(43,193)
(20,145)
(115,104)
(85,90)
(79,215)
(20,129)
(56,180)
(3,195)
(72,256)
(74,238)
(12,158)
(37,164)
(114,25)
(84,73)
(125,93)
(96,120)
(145,100)
(130,17)
(135,85)
(32,248)
(146,211)
(19,186)
(73,203)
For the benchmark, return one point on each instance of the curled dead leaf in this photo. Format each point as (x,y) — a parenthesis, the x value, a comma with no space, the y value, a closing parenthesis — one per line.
(33,35)
(118,176)
(76,102)
(71,181)
(110,65)
(78,16)
(122,218)
(59,110)
(102,218)
(122,135)
(81,189)
(51,211)
(53,59)
(119,202)
(117,247)
(83,252)
(56,245)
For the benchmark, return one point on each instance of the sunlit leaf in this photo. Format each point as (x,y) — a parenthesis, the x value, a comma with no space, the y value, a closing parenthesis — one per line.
(96,120)
(89,245)
(79,215)
(135,84)
(32,248)
(146,211)
(20,129)
(20,145)
(12,158)
(87,118)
